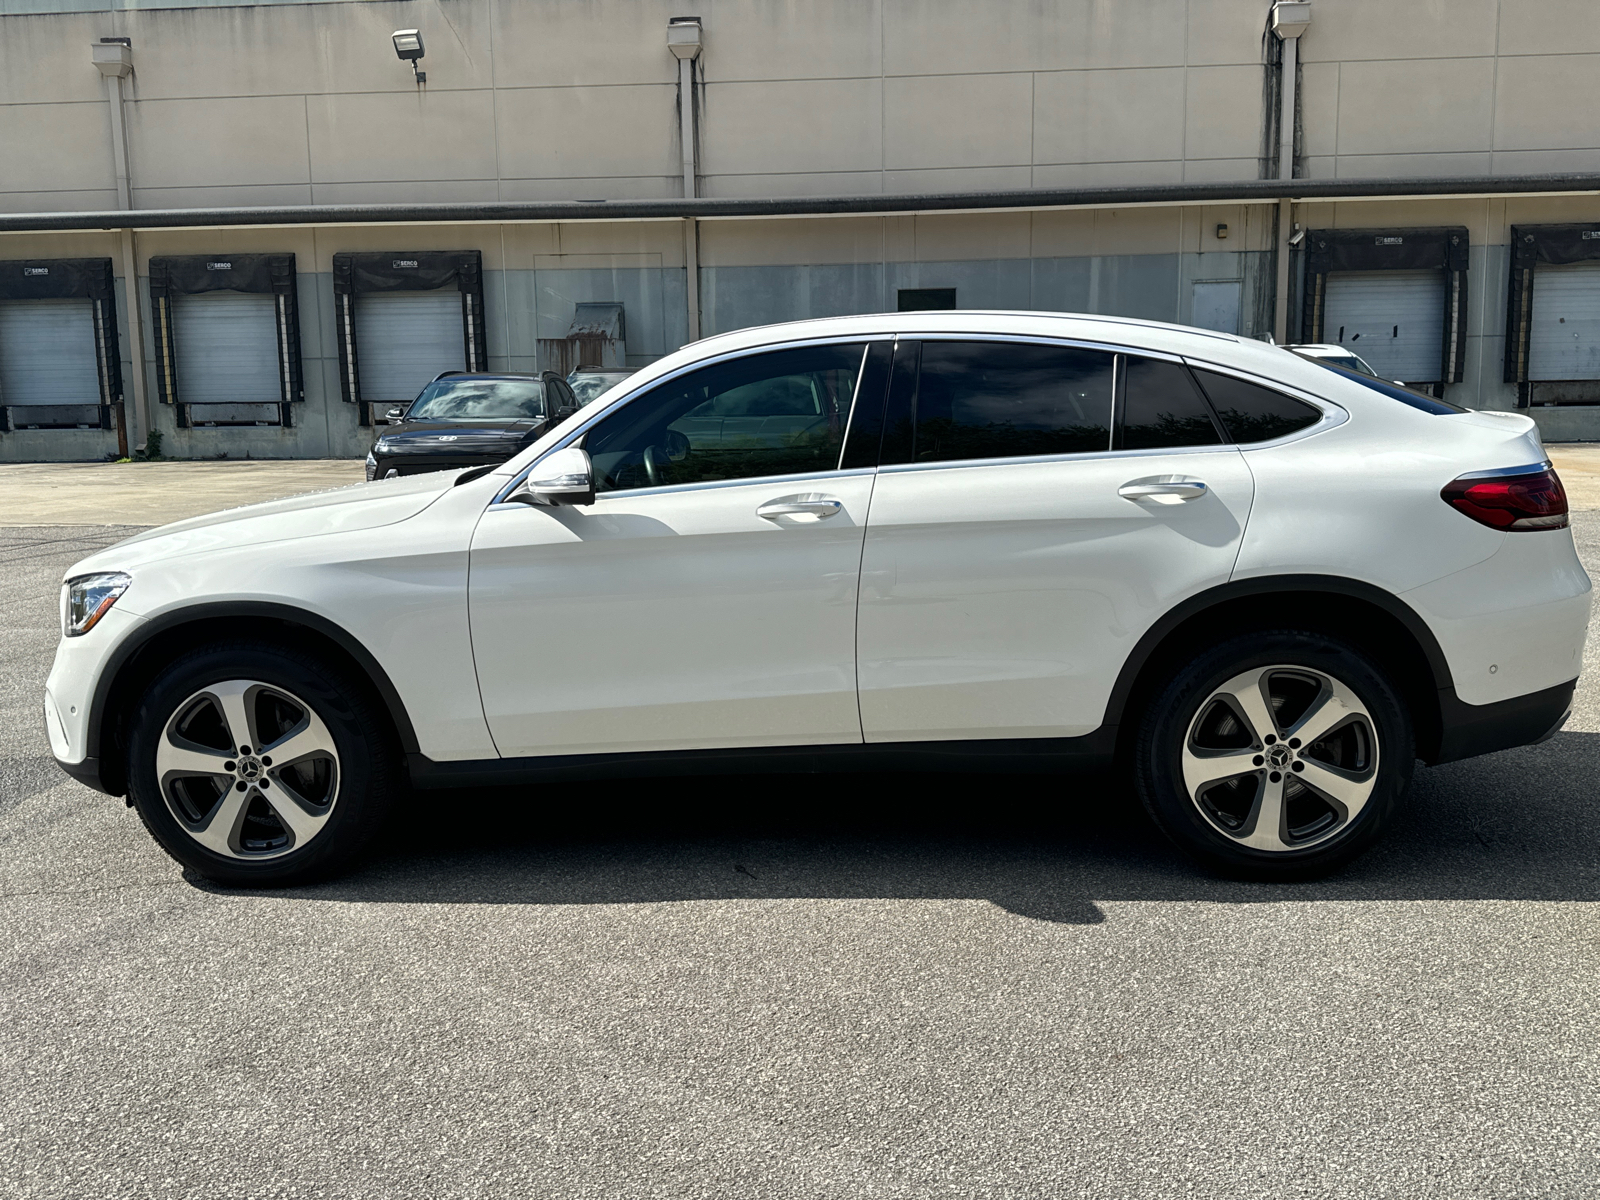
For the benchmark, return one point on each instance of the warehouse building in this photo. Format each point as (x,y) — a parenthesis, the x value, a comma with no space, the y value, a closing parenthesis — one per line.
(322,205)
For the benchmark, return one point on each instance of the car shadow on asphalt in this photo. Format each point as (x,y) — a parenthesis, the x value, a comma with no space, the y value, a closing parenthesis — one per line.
(1519,825)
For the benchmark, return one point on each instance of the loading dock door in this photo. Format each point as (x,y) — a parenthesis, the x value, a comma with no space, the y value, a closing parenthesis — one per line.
(1393,319)
(404,339)
(47,352)
(1564,332)
(227,348)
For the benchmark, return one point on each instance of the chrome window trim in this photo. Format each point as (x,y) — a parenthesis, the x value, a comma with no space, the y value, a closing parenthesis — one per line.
(706,485)
(1081,456)
(652,384)
(1332,414)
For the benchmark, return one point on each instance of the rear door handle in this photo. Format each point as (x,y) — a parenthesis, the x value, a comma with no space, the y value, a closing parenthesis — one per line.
(1172,489)
(813,505)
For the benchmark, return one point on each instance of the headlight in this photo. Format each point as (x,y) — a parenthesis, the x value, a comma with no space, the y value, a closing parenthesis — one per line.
(372,465)
(87,598)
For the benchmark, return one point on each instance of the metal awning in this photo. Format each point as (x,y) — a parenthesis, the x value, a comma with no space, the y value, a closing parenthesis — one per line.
(1248,191)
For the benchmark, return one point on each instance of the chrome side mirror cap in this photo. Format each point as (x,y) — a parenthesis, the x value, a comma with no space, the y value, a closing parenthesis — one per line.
(394,416)
(565,477)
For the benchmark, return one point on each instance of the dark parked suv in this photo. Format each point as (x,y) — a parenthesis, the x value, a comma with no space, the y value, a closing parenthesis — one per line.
(469,420)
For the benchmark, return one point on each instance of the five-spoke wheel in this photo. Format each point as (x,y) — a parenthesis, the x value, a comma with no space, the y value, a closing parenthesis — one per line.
(1280,757)
(256,763)
(249,770)
(1279,754)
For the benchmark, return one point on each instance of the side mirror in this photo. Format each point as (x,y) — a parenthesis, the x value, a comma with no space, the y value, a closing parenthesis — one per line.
(565,477)
(394,416)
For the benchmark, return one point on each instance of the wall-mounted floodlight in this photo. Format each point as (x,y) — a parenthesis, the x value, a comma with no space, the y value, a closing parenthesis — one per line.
(408,46)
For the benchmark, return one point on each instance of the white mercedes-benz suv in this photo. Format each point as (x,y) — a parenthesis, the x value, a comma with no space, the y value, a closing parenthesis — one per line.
(1260,586)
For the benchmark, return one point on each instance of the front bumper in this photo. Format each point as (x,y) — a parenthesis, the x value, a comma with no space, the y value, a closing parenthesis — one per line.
(76,688)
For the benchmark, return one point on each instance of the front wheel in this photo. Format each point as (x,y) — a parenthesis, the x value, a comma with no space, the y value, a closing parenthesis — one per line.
(1280,755)
(258,765)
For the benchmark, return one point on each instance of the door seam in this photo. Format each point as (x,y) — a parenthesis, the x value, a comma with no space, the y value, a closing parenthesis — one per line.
(866,531)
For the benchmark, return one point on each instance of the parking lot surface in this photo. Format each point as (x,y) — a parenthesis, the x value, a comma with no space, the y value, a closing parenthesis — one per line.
(836,986)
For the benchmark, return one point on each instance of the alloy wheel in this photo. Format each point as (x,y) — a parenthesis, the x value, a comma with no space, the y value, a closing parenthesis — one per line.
(1280,758)
(248,770)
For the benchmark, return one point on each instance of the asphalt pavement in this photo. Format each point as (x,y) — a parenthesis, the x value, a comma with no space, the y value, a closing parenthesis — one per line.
(847,986)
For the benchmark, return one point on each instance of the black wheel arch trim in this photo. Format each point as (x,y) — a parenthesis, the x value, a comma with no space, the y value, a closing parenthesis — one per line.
(1265,585)
(153,627)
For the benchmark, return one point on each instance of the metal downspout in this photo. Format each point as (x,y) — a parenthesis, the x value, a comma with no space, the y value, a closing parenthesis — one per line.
(1289,21)
(683,39)
(114,60)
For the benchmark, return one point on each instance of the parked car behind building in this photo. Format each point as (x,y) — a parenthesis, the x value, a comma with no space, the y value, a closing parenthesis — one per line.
(469,420)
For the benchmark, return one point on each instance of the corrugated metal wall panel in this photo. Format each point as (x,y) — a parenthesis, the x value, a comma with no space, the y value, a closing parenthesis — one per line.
(1564,332)
(47,352)
(227,348)
(404,339)
(1393,319)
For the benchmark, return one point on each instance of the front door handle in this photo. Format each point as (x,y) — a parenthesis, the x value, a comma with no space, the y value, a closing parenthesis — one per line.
(1163,489)
(816,507)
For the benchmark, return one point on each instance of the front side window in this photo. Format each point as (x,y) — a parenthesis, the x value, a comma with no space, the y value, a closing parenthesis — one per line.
(467,399)
(779,413)
(1010,400)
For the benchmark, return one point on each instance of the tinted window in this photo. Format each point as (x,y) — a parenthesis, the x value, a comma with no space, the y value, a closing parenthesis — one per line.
(768,414)
(591,385)
(1428,404)
(1255,414)
(1005,400)
(1162,407)
(479,399)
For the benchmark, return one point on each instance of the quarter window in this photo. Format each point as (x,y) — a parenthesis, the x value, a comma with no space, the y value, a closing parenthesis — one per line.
(1010,400)
(1162,407)
(779,413)
(1252,413)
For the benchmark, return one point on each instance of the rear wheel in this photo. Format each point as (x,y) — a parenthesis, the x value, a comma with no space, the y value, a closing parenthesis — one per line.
(257,765)
(1279,755)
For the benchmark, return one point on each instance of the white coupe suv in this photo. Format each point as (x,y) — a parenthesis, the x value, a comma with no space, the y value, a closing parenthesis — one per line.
(1261,586)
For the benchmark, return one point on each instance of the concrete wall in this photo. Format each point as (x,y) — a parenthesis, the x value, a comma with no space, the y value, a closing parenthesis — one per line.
(305,103)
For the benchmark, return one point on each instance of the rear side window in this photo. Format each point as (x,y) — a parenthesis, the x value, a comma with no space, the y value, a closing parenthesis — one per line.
(1162,407)
(1251,413)
(1010,400)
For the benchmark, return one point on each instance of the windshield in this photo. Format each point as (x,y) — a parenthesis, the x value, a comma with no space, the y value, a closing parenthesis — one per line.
(591,386)
(479,399)
(1350,362)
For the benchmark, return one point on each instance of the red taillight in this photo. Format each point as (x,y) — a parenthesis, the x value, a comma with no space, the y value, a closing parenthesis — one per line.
(1516,503)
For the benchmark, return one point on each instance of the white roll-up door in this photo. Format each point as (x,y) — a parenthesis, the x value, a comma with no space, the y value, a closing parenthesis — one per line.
(47,353)
(404,339)
(227,348)
(1393,319)
(1564,338)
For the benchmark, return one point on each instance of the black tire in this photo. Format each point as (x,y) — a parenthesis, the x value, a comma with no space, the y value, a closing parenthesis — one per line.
(1191,724)
(356,782)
